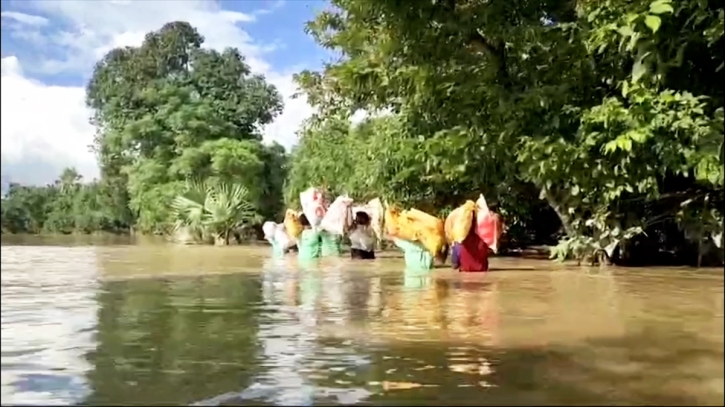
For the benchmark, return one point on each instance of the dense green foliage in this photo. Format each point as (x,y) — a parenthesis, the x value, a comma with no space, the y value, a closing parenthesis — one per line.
(66,206)
(164,112)
(601,114)
(595,123)
(213,210)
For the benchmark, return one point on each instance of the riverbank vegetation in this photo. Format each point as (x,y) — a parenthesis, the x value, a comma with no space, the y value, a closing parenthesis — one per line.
(166,112)
(593,126)
(600,115)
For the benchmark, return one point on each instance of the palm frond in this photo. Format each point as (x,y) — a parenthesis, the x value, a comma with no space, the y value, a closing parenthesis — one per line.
(213,209)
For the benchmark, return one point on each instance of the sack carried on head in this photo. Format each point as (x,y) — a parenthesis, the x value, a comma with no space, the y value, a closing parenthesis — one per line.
(269,228)
(282,238)
(416,226)
(375,210)
(459,222)
(338,218)
(292,224)
(488,224)
(313,205)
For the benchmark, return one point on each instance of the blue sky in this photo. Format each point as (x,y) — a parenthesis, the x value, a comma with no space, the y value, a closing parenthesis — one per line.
(49,48)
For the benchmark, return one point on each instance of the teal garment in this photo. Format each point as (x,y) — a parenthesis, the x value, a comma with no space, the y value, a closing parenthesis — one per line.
(416,256)
(331,244)
(277,249)
(416,280)
(309,245)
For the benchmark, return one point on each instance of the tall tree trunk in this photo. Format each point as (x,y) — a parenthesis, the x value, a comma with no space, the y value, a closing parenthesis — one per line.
(560,211)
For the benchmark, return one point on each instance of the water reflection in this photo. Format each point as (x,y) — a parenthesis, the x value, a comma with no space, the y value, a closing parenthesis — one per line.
(416,280)
(48,322)
(168,341)
(209,326)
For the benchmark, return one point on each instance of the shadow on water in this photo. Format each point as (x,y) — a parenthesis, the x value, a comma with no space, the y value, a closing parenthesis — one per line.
(214,327)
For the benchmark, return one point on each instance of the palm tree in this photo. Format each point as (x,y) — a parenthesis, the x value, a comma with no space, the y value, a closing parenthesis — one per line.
(68,181)
(213,210)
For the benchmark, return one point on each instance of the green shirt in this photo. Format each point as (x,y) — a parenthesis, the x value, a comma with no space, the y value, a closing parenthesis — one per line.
(331,244)
(417,258)
(309,245)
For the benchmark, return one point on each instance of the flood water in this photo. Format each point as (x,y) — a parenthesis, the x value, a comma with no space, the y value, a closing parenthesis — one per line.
(162,324)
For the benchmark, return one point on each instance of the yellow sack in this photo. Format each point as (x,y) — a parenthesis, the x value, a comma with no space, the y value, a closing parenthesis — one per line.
(424,220)
(391,220)
(428,230)
(449,222)
(432,239)
(458,223)
(292,224)
(407,227)
(416,226)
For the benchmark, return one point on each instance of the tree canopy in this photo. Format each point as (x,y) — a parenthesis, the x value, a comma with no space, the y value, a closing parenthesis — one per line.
(169,111)
(604,110)
(595,124)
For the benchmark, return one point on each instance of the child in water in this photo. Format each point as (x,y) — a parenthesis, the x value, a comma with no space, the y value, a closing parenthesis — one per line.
(309,244)
(362,238)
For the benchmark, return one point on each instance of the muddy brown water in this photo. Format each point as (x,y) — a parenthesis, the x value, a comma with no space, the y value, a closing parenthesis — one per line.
(94,321)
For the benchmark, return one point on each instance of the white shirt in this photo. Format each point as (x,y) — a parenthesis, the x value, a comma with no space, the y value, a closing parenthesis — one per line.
(362,238)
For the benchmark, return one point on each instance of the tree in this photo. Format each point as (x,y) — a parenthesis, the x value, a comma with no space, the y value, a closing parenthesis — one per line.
(170,109)
(25,208)
(215,210)
(600,108)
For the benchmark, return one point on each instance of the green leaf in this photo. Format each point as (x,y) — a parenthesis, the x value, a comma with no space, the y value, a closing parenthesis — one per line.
(624,143)
(638,69)
(610,146)
(661,7)
(653,22)
(637,136)
(625,31)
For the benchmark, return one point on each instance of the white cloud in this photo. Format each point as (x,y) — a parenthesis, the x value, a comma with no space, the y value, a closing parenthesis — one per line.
(24,18)
(43,128)
(46,127)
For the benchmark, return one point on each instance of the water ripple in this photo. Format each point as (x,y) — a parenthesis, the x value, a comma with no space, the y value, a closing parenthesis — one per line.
(48,316)
(155,324)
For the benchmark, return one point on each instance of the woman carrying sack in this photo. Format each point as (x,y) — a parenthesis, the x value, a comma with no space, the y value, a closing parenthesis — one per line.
(471,255)
(309,244)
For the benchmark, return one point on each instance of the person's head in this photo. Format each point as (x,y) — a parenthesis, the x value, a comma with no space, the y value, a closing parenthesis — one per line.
(443,254)
(304,222)
(362,219)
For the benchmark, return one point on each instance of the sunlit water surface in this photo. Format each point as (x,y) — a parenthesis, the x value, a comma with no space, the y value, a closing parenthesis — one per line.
(163,324)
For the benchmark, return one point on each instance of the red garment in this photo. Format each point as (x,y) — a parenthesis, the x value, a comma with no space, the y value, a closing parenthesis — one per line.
(473,254)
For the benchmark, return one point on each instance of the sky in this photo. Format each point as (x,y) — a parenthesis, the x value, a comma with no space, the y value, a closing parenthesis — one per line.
(49,48)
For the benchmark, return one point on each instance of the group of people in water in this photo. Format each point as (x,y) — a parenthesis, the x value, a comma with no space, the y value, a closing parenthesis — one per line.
(470,255)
